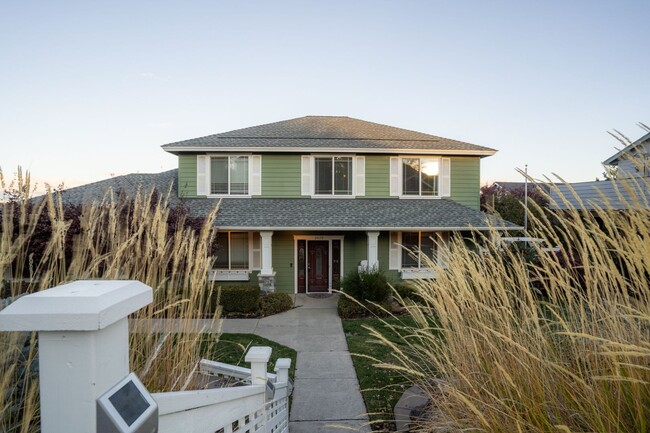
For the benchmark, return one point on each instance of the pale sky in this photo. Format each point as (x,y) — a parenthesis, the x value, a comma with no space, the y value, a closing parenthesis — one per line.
(92,89)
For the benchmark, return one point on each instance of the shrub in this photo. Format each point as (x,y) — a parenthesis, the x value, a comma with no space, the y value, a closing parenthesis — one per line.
(349,308)
(240,299)
(369,285)
(407,291)
(275,303)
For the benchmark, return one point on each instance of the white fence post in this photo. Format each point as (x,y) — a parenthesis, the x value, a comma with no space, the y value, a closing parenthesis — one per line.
(83,345)
(258,356)
(282,370)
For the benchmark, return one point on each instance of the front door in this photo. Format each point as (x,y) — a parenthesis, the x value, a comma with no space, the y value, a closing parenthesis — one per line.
(318,272)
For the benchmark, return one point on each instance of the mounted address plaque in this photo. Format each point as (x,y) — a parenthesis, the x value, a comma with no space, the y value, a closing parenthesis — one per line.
(127,408)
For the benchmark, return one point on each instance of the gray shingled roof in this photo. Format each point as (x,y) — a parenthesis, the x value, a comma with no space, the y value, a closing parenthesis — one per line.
(129,183)
(300,213)
(619,195)
(326,133)
(346,214)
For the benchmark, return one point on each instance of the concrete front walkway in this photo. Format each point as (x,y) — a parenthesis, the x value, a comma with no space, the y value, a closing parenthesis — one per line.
(326,395)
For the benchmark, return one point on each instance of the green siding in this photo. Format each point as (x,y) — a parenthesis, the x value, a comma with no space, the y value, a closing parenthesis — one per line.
(377,176)
(465,181)
(283,265)
(354,250)
(187,175)
(281,175)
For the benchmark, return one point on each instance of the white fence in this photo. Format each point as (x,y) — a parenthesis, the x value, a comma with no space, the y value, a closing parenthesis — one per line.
(84,352)
(259,406)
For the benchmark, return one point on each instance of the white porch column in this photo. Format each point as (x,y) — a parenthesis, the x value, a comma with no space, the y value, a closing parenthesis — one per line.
(267,253)
(373,250)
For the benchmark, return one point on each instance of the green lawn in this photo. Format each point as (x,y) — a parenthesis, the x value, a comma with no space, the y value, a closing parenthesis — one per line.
(232,348)
(381,389)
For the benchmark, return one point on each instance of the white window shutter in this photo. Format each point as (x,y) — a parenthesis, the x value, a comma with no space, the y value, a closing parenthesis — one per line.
(305,173)
(255,174)
(395,256)
(256,251)
(445,178)
(360,175)
(394,176)
(443,248)
(202,175)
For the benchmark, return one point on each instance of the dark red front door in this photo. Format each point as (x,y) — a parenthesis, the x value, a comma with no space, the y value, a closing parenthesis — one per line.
(318,271)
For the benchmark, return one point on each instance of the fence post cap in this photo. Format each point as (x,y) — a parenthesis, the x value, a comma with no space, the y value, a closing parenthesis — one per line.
(258,354)
(282,363)
(85,305)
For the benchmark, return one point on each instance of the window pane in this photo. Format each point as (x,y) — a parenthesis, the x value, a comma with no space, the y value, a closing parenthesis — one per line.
(410,242)
(323,176)
(221,251)
(429,168)
(343,175)
(238,175)
(428,247)
(219,175)
(238,250)
(411,176)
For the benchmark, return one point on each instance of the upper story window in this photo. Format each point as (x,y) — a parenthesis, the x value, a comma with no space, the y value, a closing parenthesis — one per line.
(333,175)
(420,176)
(229,175)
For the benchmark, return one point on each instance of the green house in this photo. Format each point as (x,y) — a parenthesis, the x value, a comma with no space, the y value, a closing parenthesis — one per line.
(306,200)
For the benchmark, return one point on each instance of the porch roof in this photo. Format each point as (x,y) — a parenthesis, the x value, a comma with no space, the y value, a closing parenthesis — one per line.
(345,214)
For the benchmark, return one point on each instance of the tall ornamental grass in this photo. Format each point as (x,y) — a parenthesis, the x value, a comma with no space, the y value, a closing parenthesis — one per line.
(114,238)
(557,343)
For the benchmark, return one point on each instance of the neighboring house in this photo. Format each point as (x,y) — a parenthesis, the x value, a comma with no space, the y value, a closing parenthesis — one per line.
(306,200)
(633,160)
(630,189)
(621,194)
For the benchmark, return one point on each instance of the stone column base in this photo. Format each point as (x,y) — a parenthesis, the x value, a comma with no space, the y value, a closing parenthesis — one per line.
(267,282)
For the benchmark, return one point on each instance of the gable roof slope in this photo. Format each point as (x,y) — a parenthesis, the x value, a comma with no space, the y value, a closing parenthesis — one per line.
(327,133)
(614,159)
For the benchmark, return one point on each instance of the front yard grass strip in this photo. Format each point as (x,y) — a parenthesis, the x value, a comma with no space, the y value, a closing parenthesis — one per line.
(381,389)
(232,349)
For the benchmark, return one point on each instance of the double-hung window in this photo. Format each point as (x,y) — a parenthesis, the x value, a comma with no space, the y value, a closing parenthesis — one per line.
(418,246)
(229,175)
(333,175)
(232,251)
(420,176)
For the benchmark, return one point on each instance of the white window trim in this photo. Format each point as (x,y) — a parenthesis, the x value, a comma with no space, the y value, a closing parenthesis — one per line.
(442,249)
(356,191)
(401,178)
(216,274)
(444,177)
(208,175)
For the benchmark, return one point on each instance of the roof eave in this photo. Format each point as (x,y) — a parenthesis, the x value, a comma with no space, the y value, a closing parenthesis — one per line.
(204,149)
(344,228)
(612,160)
